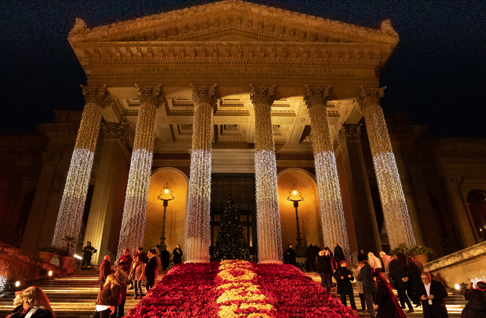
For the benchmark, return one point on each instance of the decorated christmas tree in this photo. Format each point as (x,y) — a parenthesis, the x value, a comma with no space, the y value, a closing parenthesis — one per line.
(230,243)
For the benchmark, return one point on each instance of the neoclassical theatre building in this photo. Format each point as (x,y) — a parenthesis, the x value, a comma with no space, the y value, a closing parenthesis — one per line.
(234,98)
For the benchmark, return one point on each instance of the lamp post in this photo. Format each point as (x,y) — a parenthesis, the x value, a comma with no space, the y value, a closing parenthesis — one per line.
(296,197)
(165,197)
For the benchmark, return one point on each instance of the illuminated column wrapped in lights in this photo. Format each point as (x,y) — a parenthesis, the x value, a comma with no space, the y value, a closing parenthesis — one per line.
(77,182)
(397,219)
(198,233)
(330,200)
(135,208)
(268,216)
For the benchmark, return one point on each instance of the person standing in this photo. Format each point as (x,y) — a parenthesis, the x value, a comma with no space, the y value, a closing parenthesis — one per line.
(386,304)
(142,256)
(157,266)
(433,295)
(108,298)
(165,256)
(344,277)
(150,269)
(359,286)
(125,260)
(311,258)
(32,303)
(326,265)
(369,285)
(290,257)
(177,254)
(362,256)
(88,252)
(398,271)
(339,253)
(138,274)
(122,278)
(386,259)
(476,297)
(375,262)
(414,270)
(105,270)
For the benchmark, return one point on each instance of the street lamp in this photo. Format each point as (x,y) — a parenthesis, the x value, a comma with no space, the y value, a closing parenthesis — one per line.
(165,197)
(296,197)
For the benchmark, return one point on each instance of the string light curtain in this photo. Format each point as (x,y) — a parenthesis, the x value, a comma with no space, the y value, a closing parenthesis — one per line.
(330,200)
(198,234)
(268,216)
(74,197)
(397,219)
(135,208)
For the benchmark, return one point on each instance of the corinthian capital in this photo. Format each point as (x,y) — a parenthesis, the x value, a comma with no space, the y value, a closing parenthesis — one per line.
(204,94)
(351,132)
(316,96)
(150,94)
(262,95)
(96,95)
(370,96)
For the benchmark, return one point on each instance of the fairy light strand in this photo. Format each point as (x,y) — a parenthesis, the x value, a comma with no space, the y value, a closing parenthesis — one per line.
(397,219)
(268,216)
(329,193)
(4,265)
(198,233)
(136,198)
(70,215)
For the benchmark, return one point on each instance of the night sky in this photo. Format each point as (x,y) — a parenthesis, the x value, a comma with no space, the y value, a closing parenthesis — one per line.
(437,73)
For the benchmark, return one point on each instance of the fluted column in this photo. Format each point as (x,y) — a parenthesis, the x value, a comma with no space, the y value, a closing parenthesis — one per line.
(455,203)
(198,234)
(135,208)
(397,218)
(268,216)
(74,197)
(330,200)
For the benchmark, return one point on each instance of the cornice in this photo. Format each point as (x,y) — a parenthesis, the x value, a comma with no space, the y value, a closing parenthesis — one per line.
(279,23)
(59,130)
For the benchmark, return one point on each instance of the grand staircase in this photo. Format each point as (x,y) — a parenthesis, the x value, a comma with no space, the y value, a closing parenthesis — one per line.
(75,297)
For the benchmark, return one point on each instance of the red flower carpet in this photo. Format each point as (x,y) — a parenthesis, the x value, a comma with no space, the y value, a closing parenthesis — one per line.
(238,289)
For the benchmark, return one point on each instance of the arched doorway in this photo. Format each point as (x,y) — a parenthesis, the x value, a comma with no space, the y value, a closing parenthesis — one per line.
(309,222)
(477,205)
(176,211)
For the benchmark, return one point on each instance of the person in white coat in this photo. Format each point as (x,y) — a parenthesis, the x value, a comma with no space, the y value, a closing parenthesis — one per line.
(375,262)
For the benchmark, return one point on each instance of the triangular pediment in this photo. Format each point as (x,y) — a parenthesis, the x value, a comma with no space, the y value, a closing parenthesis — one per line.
(233,21)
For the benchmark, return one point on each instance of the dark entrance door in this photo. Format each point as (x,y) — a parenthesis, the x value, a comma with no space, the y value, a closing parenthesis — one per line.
(241,187)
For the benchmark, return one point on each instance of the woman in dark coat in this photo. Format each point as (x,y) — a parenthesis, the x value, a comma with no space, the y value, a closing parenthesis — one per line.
(386,303)
(398,272)
(369,285)
(344,277)
(326,265)
(165,257)
(414,270)
(290,256)
(177,255)
(476,307)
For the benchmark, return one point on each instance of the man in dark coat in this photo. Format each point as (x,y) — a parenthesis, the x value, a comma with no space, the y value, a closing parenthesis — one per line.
(362,256)
(398,272)
(369,285)
(290,256)
(326,265)
(338,253)
(433,297)
(311,258)
(125,260)
(344,277)
(177,254)
(150,269)
(141,255)
(105,270)
(165,257)
(476,307)
(88,252)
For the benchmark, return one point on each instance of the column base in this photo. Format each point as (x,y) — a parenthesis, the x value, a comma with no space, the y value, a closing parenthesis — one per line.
(270,262)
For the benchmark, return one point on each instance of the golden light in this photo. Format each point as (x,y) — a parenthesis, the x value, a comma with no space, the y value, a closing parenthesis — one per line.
(166,190)
(457,287)
(50,273)
(294,192)
(17,284)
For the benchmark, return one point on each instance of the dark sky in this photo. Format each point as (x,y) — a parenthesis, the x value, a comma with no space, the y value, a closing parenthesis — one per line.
(437,73)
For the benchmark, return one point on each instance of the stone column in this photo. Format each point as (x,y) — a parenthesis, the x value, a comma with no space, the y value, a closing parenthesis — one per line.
(135,209)
(397,219)
(31,234)
(198,229)
(112,175)
(366,228)
(268,216)
(329,194)
(456,205)
(74,197)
